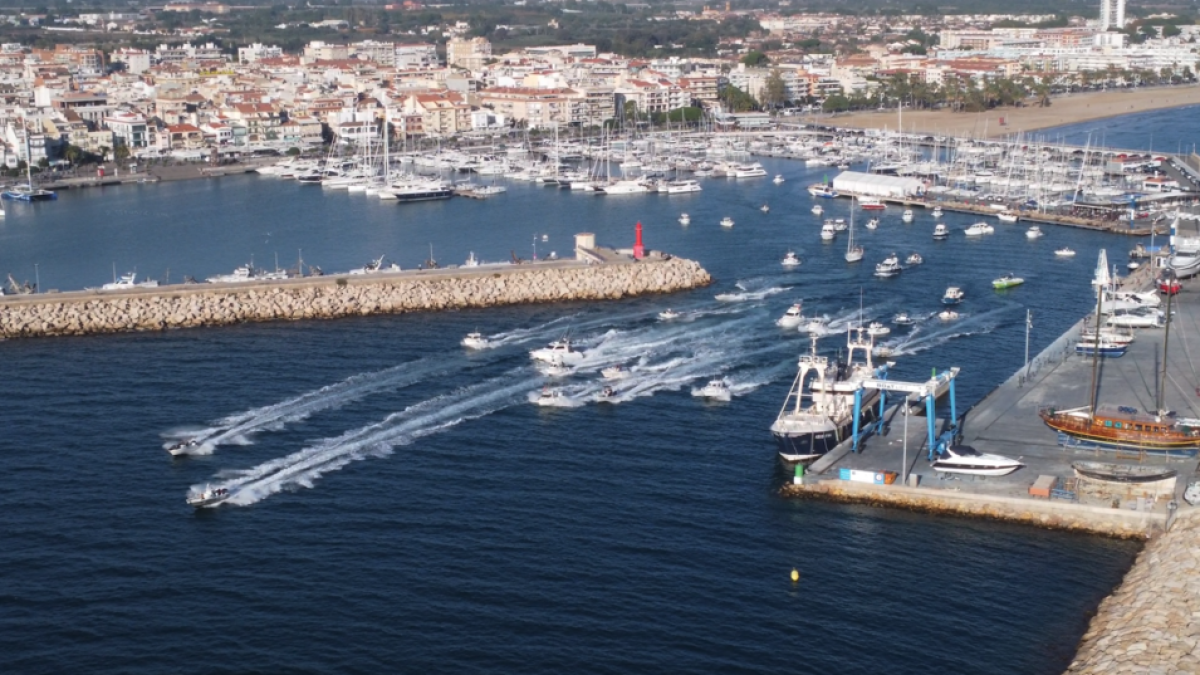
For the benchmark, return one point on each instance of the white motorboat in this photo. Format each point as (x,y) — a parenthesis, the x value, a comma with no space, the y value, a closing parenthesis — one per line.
(559,350)
(937,212)
(903,319)
(890,267)
(952,296)
(947,315)
(606,394)
(839,224)
(979,229)
(1088,334)
(614,373)
(907,216)
(476,340)
(877,329)
(680,187)
(1033,232)
(816,325)
(668,315)
(778,179)
(872,223)
(792,318)
(128,282)
(715,390)
(884,351)
(207,496)
(828,233)
(471,260)
(556,369)
(184,447)
(550,397)
(375,267)
(1008,217)
(1185,262)
(765,208)
(684,219)
(914,259)
(823,190)
(1065,252)
(965,459)
(817,210)
(940,231)
(727,222)
(753,170)
(1136,319)
(790,259)
(624,187)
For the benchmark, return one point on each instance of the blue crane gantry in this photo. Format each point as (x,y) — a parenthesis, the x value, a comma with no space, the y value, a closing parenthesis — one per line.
(929,390)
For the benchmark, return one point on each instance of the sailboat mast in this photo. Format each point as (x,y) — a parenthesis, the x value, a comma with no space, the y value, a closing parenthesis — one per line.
(1162,377)
(1096,352)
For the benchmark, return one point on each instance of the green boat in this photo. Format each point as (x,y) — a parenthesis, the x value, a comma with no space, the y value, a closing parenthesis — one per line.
(1007,281)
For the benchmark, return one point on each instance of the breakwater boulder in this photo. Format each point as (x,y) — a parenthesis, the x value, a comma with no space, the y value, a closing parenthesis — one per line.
(331,297)
(1151,623)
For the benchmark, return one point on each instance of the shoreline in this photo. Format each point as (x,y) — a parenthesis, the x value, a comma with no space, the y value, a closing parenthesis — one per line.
(1063,111)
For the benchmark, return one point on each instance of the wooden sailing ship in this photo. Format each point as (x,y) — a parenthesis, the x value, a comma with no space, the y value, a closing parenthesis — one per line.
(1124,427)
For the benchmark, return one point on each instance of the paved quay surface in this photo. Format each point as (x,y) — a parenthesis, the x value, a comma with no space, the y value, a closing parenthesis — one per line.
(1006,423)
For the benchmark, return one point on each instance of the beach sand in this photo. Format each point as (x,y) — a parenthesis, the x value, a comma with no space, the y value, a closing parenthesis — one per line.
(1063,110)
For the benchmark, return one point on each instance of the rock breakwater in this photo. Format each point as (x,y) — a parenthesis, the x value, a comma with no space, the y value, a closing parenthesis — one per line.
(83,313)
(1151,623)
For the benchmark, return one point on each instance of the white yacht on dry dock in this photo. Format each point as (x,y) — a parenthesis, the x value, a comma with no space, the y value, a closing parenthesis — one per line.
(128,282)
(375,267)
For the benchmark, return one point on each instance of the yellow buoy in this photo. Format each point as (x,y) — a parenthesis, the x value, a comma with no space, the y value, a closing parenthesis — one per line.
(795,575)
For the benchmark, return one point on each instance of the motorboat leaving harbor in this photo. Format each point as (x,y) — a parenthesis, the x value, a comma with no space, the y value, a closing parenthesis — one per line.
(1007,281)
(953,295)
(1034,232)
(778,179)
(828,231)
(903,319)
(791,318)
(979,229)
(559,350)
(476,340)
(872,223)
(964,459)
(1008,217)
(914,258)
(839,224)
(817,210)
(815,326)
(605,395)
(822,190)
(685,219)
(715,390)
(183,447)
(129,282)
(550,397)
(207,496)
(940,231)
(727,222)
(556,369)
(947,315)
(807,432)
(668,315)
(1065,252)
(907,216)
(877,329)
(790,259)
(890,267)
(937,212)
(765,208)
(614,373)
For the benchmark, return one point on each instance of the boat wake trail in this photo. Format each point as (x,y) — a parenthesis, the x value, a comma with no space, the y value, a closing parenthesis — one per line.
(743,296)
(923,338)
(521,335)
(237,429)
(303,467)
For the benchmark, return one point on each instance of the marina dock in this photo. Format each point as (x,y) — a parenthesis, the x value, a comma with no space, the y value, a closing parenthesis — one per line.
(1046,491)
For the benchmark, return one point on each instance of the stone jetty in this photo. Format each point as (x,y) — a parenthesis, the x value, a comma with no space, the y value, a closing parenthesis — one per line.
(1151,623)
(600,275)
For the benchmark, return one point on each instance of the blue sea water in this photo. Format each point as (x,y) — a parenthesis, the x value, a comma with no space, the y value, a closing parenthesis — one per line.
(1172,130)
(401,506)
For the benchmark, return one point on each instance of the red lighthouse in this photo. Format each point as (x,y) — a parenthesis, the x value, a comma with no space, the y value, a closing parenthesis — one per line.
(639,251)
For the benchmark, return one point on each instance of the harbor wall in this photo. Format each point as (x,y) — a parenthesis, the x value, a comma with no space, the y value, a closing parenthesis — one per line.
(1151,623)
(1046,513)
(187,306)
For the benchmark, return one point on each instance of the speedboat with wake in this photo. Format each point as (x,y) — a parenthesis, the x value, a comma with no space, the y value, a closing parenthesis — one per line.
(207,496)
(614,373)
(903,319)
(184,447)
(877,329)
(947,315)
(792,317)
(890,267)
(1034,232)
(550,397)
(559,350)
(1065,252)
(818,412)
(914,259)
(668,315)
(979,229)
(790,259)
(716,390)
(1007,281)
(964,459)
(940,231)
(684,219)
(953,295)
(475,340)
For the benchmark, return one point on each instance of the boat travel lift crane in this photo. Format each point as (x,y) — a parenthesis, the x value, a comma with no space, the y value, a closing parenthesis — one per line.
(929,390)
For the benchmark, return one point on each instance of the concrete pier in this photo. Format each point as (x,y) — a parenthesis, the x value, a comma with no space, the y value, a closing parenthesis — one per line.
(599,274)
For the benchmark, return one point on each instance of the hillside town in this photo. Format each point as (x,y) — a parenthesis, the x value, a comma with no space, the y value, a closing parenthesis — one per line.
(189,97)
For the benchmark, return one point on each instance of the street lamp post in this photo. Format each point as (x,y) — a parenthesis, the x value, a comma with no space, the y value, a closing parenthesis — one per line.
(904,467)
(37,280)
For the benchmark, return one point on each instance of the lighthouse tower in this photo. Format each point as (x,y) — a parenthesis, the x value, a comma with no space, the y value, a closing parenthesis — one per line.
(639,251)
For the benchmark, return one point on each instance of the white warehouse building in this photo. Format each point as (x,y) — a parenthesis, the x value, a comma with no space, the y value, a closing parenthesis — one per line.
(877,185)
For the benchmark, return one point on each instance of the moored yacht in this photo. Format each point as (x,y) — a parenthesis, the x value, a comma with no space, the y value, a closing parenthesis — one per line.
(375,267)
(128,282)
(823,190)
(680,187)
(1033,232)
(805,432)
(828,232)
